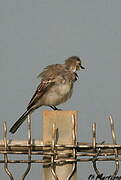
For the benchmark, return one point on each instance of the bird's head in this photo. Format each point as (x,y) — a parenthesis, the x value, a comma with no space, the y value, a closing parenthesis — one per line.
(73,63)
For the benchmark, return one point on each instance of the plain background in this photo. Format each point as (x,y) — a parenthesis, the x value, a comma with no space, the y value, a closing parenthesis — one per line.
(36,33)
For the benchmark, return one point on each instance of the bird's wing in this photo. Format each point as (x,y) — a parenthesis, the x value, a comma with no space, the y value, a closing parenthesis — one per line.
(51,75)
(48,70)
(41,89)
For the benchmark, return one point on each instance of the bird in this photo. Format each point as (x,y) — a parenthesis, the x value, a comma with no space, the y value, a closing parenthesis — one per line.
(56,87)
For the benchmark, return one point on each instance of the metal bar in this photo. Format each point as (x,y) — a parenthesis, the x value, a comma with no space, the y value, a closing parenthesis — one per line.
(94,136)
(61,160)
(60,152)
(105,148)
(53,166)
(65,154)
(29,148)
(38,145)
(5,154)
(95,150)
(115,150)
(74,131)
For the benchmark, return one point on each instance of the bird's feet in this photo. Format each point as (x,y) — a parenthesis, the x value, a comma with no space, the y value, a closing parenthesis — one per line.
(55,108)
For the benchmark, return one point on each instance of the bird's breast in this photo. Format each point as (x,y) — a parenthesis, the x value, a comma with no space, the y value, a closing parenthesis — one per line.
(57,94)
(63,89)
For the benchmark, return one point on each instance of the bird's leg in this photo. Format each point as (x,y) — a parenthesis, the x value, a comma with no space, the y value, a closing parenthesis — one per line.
(57,108)
(54,108)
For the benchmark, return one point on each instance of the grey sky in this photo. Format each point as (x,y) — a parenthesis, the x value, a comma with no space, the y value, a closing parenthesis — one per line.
(36,33)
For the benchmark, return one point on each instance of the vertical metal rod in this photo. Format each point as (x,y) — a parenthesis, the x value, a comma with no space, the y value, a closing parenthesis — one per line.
(74,150)
(94,147)
(94,135)
(53,167)
(5,154)
(114,142)
(29,148)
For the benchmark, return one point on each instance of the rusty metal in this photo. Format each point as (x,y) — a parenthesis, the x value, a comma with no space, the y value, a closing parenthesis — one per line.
(57,155)
(94,159)
(5,153)
(29,148)
(94,136)
(115,149)
(53,167)
(74,150)
(94,148)
(37,145)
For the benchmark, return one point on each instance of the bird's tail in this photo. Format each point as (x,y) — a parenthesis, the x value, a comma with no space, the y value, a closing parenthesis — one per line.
(19,122)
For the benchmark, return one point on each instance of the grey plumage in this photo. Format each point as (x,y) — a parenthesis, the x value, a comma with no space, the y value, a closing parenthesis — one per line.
(56,87)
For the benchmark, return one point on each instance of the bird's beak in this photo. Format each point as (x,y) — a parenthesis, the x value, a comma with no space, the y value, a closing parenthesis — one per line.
(82,67)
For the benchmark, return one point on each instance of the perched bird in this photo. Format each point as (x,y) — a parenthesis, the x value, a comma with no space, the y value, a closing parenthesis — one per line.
(56,87)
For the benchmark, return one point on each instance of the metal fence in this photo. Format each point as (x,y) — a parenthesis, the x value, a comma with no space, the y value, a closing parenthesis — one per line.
(53,154)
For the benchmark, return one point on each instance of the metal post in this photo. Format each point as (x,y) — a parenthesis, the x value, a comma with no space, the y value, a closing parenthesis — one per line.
(59,127)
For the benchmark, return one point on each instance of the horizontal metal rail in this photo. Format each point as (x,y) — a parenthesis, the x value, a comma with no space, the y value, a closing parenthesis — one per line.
(55,154)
